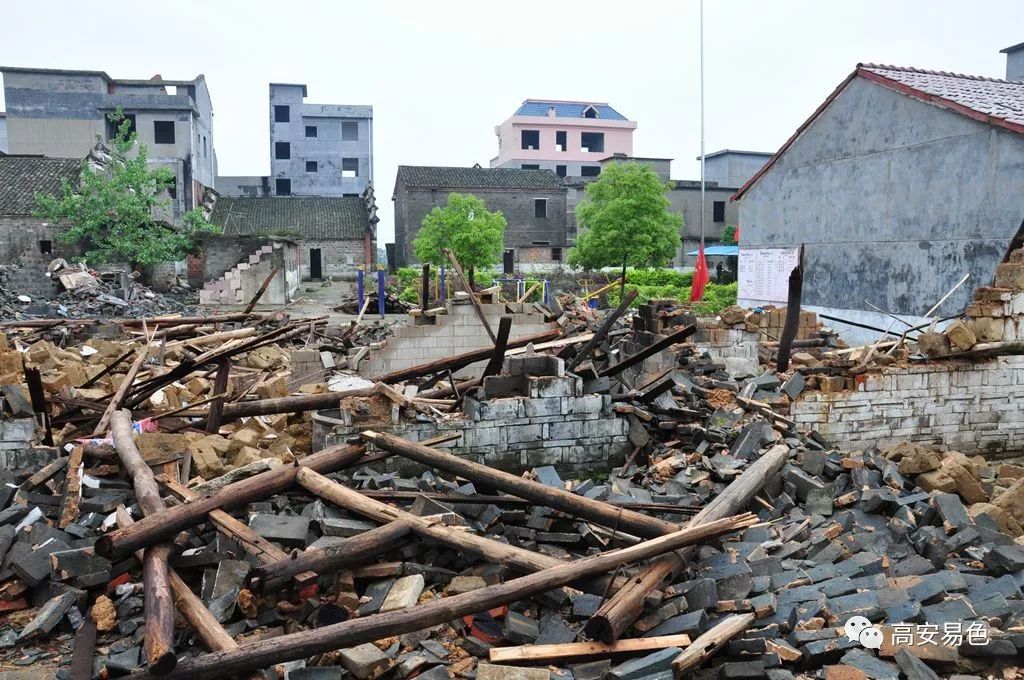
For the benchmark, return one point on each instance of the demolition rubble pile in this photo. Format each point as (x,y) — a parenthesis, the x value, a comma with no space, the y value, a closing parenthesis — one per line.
(84,293)
(728,545)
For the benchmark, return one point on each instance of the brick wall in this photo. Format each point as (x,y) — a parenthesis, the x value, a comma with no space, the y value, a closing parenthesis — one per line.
(19,235)
(969,407)
(556,424)
(338,258)
(457,332)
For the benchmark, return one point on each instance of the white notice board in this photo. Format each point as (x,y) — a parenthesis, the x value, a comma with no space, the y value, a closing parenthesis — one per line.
(764,273)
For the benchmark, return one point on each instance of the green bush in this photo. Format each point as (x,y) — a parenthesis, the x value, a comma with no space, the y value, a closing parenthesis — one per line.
(716,296)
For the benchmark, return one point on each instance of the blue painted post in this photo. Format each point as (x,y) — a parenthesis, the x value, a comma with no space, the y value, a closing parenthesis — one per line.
(380,292)
(360,287)
(443,284)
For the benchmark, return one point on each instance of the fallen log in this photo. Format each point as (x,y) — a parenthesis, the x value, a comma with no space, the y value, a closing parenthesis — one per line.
(297,403)
(472,296)
(158,602)
(619,612)
(572,650)
(647,352)
(122,390)
(559,499)
(704,646)
(251,542)
(303,644)
(355,550)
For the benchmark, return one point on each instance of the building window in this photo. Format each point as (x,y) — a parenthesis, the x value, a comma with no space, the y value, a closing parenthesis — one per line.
(112,126)
(206,150)
(310,166)
(163,132)
(284,186)
(590,112)
(282,114)
(349,131)
(718,208)
(556,254)
(282,151)
(561,170)
(350,167)
(592,141)
(590,171)
(529,166)
(540,208)
(311,131)
(531,139)
(561,140)
(45,247)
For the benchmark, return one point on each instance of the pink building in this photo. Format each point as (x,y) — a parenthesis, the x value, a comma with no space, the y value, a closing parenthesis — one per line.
(570,138)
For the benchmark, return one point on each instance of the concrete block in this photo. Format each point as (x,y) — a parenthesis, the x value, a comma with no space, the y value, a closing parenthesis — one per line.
(404,593)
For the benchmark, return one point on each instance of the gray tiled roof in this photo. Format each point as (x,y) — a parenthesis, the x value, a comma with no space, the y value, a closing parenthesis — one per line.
(436,177)
(311,217)
(22,176)
(1001,99)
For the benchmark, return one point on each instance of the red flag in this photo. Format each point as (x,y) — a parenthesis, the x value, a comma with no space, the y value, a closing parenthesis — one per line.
(736,234)
(700,277)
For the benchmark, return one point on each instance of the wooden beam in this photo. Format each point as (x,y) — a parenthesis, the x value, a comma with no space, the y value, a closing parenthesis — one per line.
(500,345)
(158,603)
(662,344)
(571,650)
(602,331)
(704,646)
(351,551)
(263,289)
(220,387)
(618,613)
(789,329)
(472,296)
(122,390)
(72,488)
(580,506)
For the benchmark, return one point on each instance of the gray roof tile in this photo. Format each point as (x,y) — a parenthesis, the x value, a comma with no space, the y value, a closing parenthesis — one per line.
(436,177)
(309,217)
(22,176)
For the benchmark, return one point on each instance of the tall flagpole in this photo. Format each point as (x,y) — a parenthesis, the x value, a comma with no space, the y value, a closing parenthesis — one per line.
(701,123)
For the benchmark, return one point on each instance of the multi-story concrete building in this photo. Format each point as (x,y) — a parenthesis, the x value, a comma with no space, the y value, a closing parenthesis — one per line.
(569,138)
(318,149)
(61,113)
(532,201)
(731,168)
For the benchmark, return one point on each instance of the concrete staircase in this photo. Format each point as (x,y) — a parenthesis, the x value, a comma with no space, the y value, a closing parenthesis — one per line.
(234,287)
(456,332)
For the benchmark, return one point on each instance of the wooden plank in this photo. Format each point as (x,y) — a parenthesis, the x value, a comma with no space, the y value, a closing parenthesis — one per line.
(588,649)
(602,331)
(72,488)
(707,644)
(662,344)
(472,296)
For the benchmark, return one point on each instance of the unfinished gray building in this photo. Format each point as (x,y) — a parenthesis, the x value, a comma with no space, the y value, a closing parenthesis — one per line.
(532,201)
(60,114)
(318,149)
(899,184)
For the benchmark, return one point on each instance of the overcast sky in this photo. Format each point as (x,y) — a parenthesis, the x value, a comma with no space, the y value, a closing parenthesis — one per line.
(440,75)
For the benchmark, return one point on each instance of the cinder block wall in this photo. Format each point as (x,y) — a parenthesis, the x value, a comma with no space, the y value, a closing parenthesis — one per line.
(457,332)
(976,408)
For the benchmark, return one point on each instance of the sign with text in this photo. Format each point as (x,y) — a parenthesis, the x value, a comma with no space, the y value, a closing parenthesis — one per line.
(764,273)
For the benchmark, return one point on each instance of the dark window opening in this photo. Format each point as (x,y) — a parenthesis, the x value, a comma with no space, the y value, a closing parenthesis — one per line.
(350,167)
(112,126)
(531,139)
(561,140)
(592,141)
(561,170)
(540,208)
(718,208)
(311,131)
(282,150)
(349,132)
(172,190)
(556,254)
(284,186)
(351,195)
(529,166)
(46,247)
(540,243)
(590,171)
(590,112)
(282,114)
(310,166)
(163,132)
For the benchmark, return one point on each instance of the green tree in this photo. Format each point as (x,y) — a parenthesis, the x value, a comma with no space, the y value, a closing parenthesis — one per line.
(625,220)
(110,210)
(465,226)
(729,235)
